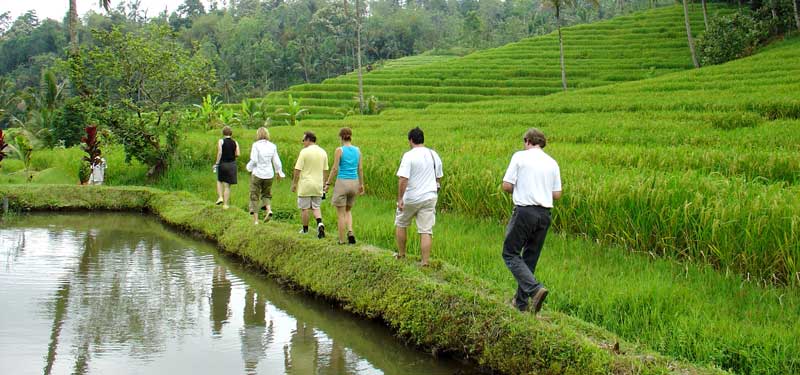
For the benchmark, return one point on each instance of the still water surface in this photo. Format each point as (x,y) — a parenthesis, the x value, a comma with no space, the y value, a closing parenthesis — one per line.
(117,293)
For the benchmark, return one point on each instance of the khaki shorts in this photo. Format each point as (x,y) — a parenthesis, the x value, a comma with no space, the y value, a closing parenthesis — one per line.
(305,203)
(344,193)
(425,212)
(260,192)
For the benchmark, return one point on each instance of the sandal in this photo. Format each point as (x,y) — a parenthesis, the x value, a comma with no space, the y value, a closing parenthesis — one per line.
(398,256)
(219,202)
(351,239)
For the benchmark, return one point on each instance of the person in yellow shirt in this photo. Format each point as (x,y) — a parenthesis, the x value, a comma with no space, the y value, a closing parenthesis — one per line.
(310,170)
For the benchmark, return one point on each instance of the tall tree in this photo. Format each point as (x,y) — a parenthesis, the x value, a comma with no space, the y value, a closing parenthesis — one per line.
(689,34)
(796,15)
(129,73)
(559,6)
(705,13)
(73,27)
(358,48)
(76,65)
(73,22)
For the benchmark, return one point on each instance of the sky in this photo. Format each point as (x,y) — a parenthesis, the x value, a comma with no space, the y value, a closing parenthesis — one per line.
(56,9)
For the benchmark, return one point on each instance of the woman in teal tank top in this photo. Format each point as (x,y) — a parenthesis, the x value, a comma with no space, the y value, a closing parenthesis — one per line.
(349,183)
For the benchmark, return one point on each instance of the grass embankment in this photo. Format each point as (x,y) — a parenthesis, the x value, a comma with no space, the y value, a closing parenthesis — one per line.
(441,307)
(631,47)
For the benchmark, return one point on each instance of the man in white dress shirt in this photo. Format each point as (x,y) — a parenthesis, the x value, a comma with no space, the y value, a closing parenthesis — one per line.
(533,179)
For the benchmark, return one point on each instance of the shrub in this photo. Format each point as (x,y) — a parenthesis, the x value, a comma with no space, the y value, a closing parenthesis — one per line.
(730,37)
(84,171)
(70,125)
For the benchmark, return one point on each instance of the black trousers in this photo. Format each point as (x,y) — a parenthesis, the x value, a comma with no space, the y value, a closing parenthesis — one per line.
(525,236)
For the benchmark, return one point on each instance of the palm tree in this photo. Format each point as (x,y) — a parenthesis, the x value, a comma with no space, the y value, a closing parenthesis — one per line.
(689,34)
(360,75)
(558,5)
(358,58)
(73,22)
(705,13)
(73,40)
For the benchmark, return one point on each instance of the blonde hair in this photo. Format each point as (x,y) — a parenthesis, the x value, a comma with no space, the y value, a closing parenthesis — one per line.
(262,133)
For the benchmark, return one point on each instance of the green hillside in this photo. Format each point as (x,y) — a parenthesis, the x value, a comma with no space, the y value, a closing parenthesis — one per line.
(641,45)
(702,166)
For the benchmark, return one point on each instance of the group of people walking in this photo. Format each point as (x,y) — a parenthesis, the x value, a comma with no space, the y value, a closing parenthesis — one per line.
(532,178)
(311,178)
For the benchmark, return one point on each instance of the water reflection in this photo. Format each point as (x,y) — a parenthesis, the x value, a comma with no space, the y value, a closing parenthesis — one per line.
(220,298)
(126,295)
(256,335)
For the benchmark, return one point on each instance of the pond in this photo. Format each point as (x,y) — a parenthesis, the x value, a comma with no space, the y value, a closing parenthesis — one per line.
(111,293)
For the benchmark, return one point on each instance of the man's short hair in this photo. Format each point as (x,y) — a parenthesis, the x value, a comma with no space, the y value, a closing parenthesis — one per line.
(227,131)
(416,136)
(535,137)
(346,134)
(309,136)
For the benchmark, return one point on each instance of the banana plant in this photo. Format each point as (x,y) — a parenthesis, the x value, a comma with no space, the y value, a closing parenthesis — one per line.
(251,112)
(292,112)
(23,150)
(209,110)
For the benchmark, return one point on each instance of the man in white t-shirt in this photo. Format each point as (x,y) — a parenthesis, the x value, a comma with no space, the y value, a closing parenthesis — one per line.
(417,191)
(533,179)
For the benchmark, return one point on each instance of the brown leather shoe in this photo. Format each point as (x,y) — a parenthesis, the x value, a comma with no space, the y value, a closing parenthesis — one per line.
(538,299)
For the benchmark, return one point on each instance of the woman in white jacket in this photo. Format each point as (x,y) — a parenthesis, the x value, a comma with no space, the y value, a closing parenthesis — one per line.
(264,165)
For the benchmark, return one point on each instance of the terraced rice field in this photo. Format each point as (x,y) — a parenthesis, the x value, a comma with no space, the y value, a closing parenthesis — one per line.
(700,166)
(627,48)
(651,165)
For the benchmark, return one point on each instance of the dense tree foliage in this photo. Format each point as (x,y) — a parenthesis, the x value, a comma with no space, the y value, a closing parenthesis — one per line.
(257,46)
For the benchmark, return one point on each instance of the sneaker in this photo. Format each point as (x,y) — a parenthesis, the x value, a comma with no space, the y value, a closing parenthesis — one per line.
(219,202)
(351,239)
(268,217)
(538,299)
(320,230)
(303,231)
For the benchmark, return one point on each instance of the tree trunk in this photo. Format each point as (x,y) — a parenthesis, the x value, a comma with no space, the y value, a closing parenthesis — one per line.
(705,13)
(689,34)
(796,16)
(358,47)
(561,49)
(73,26)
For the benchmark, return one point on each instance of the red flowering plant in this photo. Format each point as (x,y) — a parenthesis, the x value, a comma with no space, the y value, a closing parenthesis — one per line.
(3,145)
(91,145)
